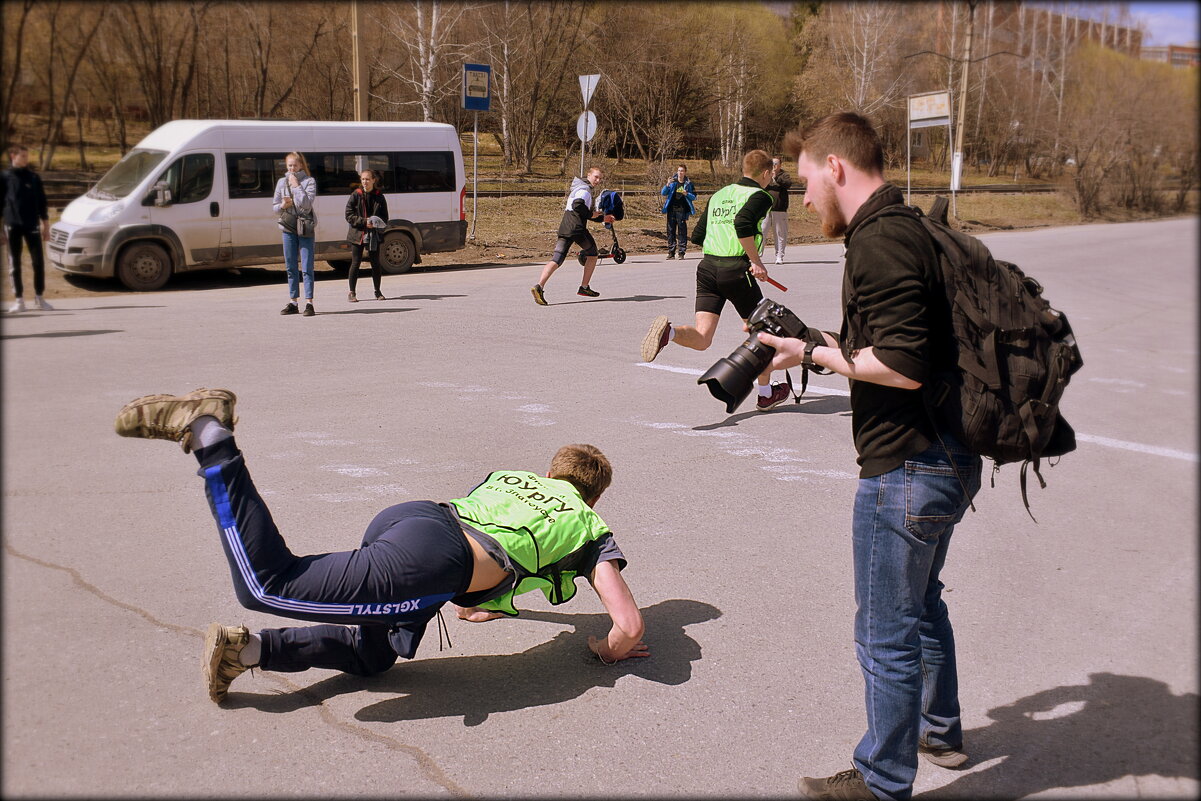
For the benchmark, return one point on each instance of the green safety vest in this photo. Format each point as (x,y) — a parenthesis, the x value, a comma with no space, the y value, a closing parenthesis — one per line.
(720,239)
(543,525)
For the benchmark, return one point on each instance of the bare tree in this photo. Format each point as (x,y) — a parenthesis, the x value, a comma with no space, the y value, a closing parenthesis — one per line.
(162,44)
(71,31)
(14,53)
(425,37)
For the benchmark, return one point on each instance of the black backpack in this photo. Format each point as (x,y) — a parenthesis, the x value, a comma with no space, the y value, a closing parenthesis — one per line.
(1015,354)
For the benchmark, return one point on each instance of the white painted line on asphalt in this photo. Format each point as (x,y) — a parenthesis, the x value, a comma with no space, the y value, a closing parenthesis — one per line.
(693,371)
(1107,442)
(1138,447)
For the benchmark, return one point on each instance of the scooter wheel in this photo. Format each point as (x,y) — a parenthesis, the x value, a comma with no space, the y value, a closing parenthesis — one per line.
(619,255)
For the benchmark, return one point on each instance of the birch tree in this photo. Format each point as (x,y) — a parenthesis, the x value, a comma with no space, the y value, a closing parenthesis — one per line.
(424,34)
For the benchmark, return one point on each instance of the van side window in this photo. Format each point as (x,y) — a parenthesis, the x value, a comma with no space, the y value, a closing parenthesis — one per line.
(252,174)
(424,172)
(197,179)
(190,178)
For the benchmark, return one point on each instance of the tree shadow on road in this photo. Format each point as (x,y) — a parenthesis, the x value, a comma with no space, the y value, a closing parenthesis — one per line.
(1080,736)
(474,687)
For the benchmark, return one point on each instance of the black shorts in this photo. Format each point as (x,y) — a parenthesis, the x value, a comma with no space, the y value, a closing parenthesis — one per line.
(716,285)
(585,241)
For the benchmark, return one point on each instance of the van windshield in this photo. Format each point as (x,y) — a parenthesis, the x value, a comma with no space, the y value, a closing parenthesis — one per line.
(126,174)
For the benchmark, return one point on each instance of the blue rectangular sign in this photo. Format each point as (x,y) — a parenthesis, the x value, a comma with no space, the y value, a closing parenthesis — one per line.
(477,87)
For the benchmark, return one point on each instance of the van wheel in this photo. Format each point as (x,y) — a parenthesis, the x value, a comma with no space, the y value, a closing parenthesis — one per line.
(397,253)
(144,267)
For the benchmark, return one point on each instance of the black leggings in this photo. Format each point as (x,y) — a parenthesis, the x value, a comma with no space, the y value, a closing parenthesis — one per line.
(414,558)
(34,240)
(356,256)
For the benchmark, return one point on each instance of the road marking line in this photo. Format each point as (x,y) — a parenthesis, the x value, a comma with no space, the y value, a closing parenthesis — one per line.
(1171,453)
(1107,442)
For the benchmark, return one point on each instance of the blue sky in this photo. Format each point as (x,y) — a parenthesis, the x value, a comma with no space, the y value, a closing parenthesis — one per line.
(1164,23)
(1167,23)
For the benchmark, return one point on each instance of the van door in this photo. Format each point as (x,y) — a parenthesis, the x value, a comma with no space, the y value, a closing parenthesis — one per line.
(196,212)
(252,176)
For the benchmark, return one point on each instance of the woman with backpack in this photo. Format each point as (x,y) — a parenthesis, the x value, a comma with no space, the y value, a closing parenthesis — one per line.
(365,204)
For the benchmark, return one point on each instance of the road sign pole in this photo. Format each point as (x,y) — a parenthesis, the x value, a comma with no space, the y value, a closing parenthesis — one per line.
(475,174)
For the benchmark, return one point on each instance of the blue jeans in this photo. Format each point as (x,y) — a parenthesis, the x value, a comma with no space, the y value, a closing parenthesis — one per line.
(299,248)
(677,231)
(902,526)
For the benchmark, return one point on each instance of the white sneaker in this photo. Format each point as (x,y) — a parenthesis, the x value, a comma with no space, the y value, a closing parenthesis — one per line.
(779,259)
(18,305)
(42,304)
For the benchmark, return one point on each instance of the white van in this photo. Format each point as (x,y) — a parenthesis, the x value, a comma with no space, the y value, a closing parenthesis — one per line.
(196,194)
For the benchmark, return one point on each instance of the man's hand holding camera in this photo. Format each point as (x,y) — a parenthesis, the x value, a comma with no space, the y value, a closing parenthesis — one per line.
(791,352)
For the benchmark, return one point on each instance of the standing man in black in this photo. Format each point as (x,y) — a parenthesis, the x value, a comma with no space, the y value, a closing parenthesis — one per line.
(777,218)
(915,479)
(26,220)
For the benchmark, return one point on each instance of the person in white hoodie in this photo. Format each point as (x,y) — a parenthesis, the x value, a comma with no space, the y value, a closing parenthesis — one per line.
(574,229)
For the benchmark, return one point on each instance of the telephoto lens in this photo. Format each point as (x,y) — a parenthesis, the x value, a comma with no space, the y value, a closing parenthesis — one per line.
(730,378)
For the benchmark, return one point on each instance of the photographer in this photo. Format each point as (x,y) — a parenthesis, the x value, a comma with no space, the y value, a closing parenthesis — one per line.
(730,234)
(896,332)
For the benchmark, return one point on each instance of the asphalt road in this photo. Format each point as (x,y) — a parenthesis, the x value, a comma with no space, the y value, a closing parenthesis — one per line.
(1077,635)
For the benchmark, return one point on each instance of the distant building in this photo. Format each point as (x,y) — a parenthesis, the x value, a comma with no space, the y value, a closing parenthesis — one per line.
(1037,34)
(1186,55)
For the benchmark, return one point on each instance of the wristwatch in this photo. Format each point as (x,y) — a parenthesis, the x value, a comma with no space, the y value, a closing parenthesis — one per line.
(807,359)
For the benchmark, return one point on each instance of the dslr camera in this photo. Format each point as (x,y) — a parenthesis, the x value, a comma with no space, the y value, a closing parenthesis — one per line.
(730,379)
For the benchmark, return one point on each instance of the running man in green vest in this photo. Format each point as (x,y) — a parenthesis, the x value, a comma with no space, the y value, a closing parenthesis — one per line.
(730,232)
(515,532)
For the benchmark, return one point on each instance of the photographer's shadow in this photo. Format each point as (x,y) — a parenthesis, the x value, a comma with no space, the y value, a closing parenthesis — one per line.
(821,404)
(473,687)
(1080,736)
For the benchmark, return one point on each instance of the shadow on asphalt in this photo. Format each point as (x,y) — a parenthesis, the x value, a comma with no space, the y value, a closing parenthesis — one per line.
(628,299)
(1080,735)
(52,334)
(370,310)
(826,404)
(474,687)
(259,276)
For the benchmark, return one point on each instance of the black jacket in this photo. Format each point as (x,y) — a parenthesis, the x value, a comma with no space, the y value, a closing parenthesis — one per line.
(24,199)
(358,208)
(778,189)
(893,301)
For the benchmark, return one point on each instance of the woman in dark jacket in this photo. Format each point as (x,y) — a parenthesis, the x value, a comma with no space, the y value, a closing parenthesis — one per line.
(364,203)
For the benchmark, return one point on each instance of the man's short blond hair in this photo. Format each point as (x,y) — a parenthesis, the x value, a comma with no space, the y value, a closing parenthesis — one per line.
(755,162)
(585,467)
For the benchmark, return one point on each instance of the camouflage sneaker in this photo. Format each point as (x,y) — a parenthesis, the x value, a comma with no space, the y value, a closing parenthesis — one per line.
(168,416)
(539,297)
(222,644)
